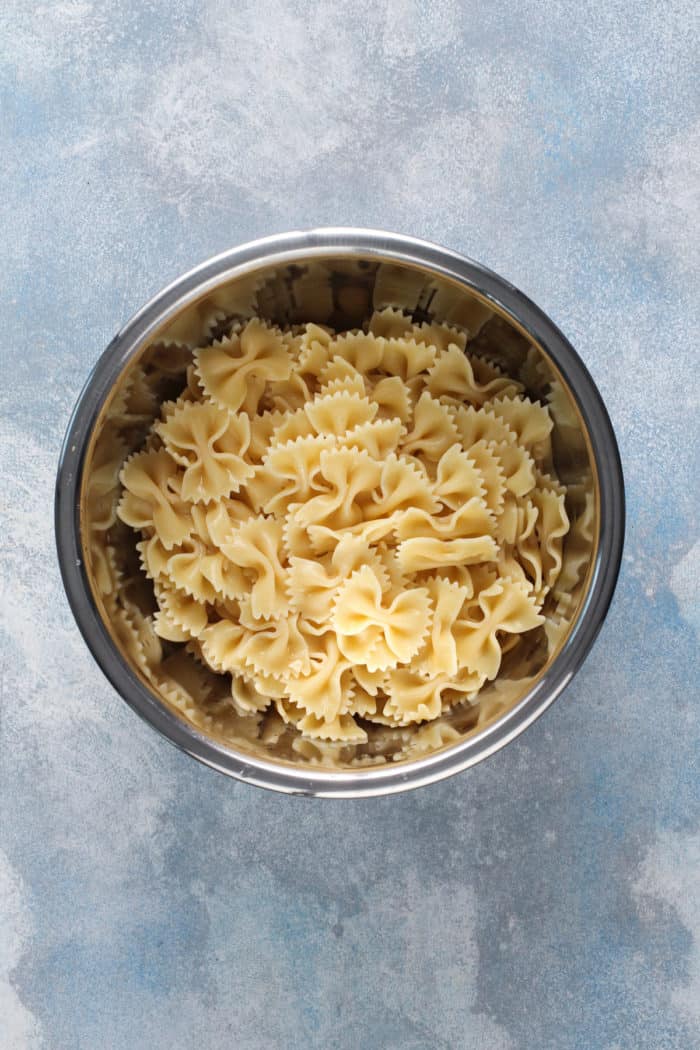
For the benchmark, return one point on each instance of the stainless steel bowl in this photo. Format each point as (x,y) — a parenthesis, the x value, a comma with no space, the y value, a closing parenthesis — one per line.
(337,276)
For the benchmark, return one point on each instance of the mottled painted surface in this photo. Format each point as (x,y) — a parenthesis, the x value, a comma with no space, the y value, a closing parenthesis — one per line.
(548,898)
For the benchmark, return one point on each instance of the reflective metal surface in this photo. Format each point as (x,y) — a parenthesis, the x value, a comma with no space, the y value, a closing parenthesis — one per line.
(334,276)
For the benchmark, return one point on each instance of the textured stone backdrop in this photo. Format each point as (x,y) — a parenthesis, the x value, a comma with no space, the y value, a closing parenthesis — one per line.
(549,897)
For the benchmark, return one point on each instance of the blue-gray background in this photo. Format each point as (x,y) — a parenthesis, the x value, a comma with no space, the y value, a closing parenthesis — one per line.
(548,898)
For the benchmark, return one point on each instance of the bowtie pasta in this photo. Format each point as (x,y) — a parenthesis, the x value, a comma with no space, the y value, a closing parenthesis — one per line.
(354,527)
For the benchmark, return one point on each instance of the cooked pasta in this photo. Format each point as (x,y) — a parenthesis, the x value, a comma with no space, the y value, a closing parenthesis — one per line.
(343,529)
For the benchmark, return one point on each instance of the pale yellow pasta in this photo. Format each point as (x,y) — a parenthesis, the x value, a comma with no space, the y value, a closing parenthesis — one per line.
(426,552)
(517,466)
(402,485)
(339,412)
(433,431)
(376,630)
(378,438)
(531,423)
(347,478)
(210,443)
(179,611)
(452,375)
(229,368)
(152,497)
(289,473)
(440,655)
(392,400)
(390,323)
(480,424)
(469,521)
(277,647)
(255,546)
(406,358)
(354,527)
(504,606)
(457,478)
(319,688)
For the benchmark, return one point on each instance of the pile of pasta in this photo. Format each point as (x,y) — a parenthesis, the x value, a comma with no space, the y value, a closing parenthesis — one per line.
(356,526)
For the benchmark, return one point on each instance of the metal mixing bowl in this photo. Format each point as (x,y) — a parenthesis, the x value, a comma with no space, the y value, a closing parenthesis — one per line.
(337,276)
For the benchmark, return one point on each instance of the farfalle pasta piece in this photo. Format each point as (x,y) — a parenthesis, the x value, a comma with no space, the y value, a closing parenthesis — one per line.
(412,697)
(324,538)
(210,443)
(180,611)
(135,403)
(347,478)
(487,371)
(406,358)
(433,431)
(261,430)
(288,395)
(471,520)
(505,606)
(224,645)
(441,336)
(342,728)
(530,422)
(379,438)
(103,484)
(337,413)
(551,527)
(312,583)
(517,520)
(390,323)
(457,478)
(420,553)
(229,368)
(311,586)
(402,485)
(339,375)
(246,697)
(391,397)
(492,477)
(321,690)
(452,375)
(213,522)
(187,567)
(480,424)
(293,425)
(289,473)
(517,466)
(256,546)
(377,630)
(364,352)
(314,350)
(229,580)
(276,647)
(439,655)
(152,497)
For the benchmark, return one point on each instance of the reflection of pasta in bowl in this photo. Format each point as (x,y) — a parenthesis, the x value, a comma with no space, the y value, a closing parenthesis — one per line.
(339,516)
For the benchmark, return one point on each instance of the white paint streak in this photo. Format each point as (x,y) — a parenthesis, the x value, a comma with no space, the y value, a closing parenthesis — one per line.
(414,26)
(258,102)
(685,584)
(657,209)
(46,37)
(670,878)
(19,1029)
(60,698)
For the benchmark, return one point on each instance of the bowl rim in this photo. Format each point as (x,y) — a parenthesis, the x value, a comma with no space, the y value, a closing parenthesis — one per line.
(381,246)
